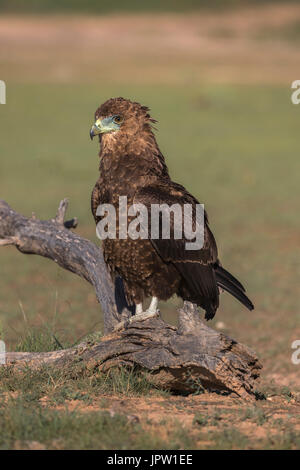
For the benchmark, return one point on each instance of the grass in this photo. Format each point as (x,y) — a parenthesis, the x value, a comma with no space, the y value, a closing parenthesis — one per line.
(24,427)
(229,439)
(255,414)
(27,421)
(36,340)
(76,382)
(73,382)
(79,408)
(63,429)
(76,408)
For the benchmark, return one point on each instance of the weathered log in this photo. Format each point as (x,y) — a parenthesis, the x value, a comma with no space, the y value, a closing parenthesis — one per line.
(190,358)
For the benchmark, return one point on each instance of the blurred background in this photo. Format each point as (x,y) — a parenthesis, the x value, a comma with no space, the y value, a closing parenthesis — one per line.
(217,76)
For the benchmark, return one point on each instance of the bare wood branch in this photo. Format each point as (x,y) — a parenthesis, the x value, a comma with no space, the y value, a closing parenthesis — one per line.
(190,358)
(8,241)
(61,211)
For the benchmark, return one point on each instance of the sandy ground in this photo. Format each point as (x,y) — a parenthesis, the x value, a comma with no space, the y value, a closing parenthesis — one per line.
(165,48)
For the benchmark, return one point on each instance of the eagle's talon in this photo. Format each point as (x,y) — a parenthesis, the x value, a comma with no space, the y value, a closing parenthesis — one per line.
(144,316)
(123,325)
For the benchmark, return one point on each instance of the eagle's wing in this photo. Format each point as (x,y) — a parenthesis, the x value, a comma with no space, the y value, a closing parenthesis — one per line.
(100,195)
(95,201)
(195,266)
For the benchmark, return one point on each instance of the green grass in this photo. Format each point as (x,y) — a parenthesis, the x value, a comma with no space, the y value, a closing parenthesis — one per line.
(38,340)
(25,421)
(75,382)
(229,439)
(24,427)
(255,414)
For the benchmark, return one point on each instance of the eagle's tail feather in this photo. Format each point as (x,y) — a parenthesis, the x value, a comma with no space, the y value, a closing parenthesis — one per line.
(234,288)
(200,286)
(228,277)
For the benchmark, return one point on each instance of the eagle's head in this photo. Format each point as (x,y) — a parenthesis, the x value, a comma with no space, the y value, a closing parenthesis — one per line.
(121,117)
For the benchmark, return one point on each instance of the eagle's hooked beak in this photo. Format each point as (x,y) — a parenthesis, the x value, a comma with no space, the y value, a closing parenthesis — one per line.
(96,129)
(92,134)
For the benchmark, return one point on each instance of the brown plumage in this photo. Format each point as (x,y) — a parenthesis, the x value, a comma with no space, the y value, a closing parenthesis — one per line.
(132,165)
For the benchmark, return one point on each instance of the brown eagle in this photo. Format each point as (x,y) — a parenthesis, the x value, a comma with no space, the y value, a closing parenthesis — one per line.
(132,165)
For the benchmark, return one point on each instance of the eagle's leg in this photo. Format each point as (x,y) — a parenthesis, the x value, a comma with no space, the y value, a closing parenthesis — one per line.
(139,309)
(153,306)
(152,310)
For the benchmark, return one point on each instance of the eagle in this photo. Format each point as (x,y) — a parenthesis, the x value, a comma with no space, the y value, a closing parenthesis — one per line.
(132,165)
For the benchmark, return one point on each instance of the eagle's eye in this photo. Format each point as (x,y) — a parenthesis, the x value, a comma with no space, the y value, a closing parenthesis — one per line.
(118,119)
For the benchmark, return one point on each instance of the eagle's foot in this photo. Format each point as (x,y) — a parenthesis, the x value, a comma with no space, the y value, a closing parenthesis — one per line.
(144,315)
(138,317)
